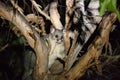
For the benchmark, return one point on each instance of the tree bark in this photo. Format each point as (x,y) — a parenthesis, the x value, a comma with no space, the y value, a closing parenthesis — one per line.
(93,52)
(33,38)
(41,50)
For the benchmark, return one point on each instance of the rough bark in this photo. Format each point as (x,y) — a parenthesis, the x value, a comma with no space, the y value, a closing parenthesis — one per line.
(41,50)
(54,16)
(34,40)
(93,52)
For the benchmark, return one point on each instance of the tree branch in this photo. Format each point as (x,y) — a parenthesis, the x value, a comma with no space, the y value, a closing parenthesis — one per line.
(54,16)
(17,7)
(39,21)
(93,52)
(37,7)
(69,11)
(34,40)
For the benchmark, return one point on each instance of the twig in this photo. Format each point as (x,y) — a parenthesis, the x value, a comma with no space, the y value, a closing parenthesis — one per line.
(5,46)
(17,7)
(110,59)
(37,7)
(38,20)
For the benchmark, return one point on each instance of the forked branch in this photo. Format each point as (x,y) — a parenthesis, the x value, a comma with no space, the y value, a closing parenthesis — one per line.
(34,40)
(93,52)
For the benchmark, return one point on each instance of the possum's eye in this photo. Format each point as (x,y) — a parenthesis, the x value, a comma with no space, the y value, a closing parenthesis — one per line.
(56,36)
(61,37)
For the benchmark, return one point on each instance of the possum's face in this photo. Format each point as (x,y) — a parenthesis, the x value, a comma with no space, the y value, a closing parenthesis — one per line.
(57,35)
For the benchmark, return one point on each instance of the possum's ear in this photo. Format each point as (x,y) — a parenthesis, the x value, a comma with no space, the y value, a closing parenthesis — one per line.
(52,29)
(64,31)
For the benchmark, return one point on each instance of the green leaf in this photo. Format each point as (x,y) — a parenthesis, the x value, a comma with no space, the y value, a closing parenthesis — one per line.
(114,3)
(110,7)
(103,6)
(118,15)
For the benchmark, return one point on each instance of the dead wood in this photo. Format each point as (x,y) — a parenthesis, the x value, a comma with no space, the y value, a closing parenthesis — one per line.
(93,52)
(38,43)
(37,7)
(34,40)
(54,16)
(70,7)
